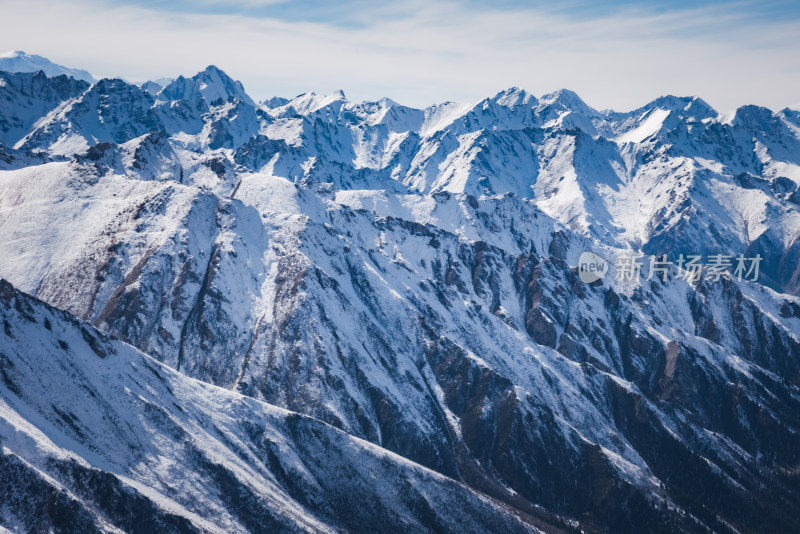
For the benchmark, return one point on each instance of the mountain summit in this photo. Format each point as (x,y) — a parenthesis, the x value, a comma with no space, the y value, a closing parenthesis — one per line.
(210,84)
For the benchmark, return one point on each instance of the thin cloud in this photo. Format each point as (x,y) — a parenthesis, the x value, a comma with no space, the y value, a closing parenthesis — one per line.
(419,53)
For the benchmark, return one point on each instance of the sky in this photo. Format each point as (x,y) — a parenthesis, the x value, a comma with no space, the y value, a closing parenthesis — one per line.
(615,55)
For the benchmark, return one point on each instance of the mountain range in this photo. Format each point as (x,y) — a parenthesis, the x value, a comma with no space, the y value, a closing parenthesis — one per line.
(312,314)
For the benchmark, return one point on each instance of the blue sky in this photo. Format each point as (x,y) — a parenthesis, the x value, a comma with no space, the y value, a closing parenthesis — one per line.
(359,12)
(617,55)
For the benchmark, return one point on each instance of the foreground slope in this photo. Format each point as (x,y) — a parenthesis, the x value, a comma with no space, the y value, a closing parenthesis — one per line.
(97,436)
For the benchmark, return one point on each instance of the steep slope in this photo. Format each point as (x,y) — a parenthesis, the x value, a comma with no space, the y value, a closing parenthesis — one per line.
(448,329)
(110,111)
(96,436)
(27,97)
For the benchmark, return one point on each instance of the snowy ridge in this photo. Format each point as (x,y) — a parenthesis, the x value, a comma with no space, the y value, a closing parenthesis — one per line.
(408,277)
(627,179)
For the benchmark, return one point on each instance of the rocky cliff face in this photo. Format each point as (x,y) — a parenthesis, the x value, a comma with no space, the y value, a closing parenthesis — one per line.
(409,277)
(26,98)
(103,452)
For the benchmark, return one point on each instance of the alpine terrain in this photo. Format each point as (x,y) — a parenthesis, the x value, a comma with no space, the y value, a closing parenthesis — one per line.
(310,314)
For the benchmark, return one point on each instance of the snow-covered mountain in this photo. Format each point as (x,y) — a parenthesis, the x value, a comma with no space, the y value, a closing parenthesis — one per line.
(19,61)
(26,98)
(409,277)
(101,452)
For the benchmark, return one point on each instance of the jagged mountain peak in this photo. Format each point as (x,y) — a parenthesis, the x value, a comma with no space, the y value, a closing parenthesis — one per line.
(387,102)
(151,87)
(661,114)
(28,96)
(106,85)
(216,84)
(311,102)
(211,84)
(749,116)
(511,108)
(678,103)
(112,110)
(212,70)
(274,102)
(568,100)
(688,107)
(154,86)
(514,96)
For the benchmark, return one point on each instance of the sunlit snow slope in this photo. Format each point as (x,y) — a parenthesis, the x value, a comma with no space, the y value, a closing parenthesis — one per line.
(408,278)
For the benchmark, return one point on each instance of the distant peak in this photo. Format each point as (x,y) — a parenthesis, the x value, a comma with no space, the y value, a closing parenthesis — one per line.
(310,102)
(561,95)
(211,84)
(751,116)
(151,87)
(683,105)
(212,71)
(567,99)
(19,61)
(514,96)
(275,101)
